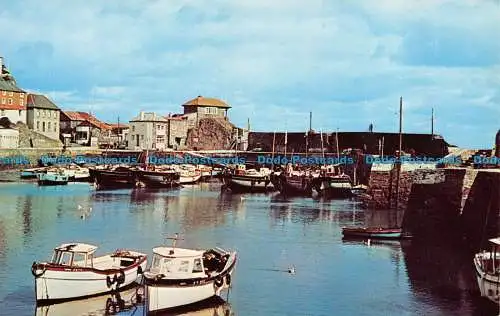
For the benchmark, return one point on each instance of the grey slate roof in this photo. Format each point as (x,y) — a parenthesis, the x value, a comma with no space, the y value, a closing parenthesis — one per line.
(41,102)
(9,85)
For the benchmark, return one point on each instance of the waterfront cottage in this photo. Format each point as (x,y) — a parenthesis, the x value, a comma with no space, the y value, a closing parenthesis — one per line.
(201,107)
(83,128)
(148,130)
(12,98)
(43,115)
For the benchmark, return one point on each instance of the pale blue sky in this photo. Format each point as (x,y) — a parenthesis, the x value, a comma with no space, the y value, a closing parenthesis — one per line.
(273,61)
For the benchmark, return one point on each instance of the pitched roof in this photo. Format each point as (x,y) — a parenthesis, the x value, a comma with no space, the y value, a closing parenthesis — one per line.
(9,85)
(83,116)
(202,101)
(40,101)
(120,125)
(148,117)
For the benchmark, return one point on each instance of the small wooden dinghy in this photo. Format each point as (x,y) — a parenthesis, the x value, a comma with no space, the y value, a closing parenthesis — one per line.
(374,233)
(180,277)
(74,272)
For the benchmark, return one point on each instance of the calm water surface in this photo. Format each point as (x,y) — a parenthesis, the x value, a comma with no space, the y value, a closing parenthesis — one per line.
(271,233)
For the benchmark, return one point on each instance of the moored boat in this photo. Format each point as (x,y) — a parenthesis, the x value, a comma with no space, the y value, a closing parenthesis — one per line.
(332,183)
(157,178)
(293,182)
(188,174)
(181,277)
(114,177)
(487,264)
(374,233)
(74,272)
(31,173)
(241,179)
(52,178)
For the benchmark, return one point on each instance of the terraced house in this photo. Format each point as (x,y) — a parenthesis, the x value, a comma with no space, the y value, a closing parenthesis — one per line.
(12,98)
(43,115)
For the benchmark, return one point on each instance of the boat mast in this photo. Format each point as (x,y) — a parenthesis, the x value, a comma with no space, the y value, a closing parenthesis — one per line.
(337,141)
(322,147)
(272,154)
(432,123)
(398,161)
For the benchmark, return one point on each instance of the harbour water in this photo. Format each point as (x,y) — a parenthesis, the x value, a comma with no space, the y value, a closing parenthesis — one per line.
(271,233)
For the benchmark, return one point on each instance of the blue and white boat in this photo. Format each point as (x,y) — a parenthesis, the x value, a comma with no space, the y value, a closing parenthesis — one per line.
(31,172)
(52,178)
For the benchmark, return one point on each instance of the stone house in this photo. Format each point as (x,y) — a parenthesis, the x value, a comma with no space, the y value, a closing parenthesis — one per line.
(201,107)
(83,128)
(12,98)
(177,129)
(148,131)
(43,115)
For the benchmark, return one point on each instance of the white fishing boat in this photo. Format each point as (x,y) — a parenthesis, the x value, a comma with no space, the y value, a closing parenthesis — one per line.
(241,179)
(487,264)
(181,277)
(52,178)
(74,272)
(188,174)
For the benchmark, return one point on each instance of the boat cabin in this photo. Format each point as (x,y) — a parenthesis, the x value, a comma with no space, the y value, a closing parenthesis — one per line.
(491,264)
(74,255)
(179,263)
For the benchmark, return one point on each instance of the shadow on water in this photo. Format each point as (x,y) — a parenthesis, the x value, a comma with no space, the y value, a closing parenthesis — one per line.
(442,274)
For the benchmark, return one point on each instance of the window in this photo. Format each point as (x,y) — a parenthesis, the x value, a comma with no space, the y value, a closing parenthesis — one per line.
(197,266)
(43,126)
(9,101)
(66,258)
(48,126)
(133,128)
(4,101)
(37,126)
(37,113)
(167,265)
(79,260)
(55,127)
(11,94)
(210,110)
(4,92)
(22,95)
(184,266)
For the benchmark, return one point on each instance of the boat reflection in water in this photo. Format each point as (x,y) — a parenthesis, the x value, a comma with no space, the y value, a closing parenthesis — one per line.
(215,306)
(110,304)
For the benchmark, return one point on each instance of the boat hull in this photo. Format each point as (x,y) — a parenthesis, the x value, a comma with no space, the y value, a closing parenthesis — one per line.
(52,179)
(248,184)
(108,179)
(488,284)
(67,284)
(189,179)
(374,233)
(292,186)
(168,294)
(159,179)
(330,188)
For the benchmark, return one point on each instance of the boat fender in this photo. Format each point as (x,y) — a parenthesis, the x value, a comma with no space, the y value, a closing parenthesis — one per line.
(218,282)
(35,267)
(228,280)
(109,283)
(120,279)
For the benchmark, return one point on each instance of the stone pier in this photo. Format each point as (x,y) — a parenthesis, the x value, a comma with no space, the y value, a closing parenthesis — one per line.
(442,202)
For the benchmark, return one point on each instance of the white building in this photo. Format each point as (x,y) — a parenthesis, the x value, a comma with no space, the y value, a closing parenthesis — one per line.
(148,131)
(9,138)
